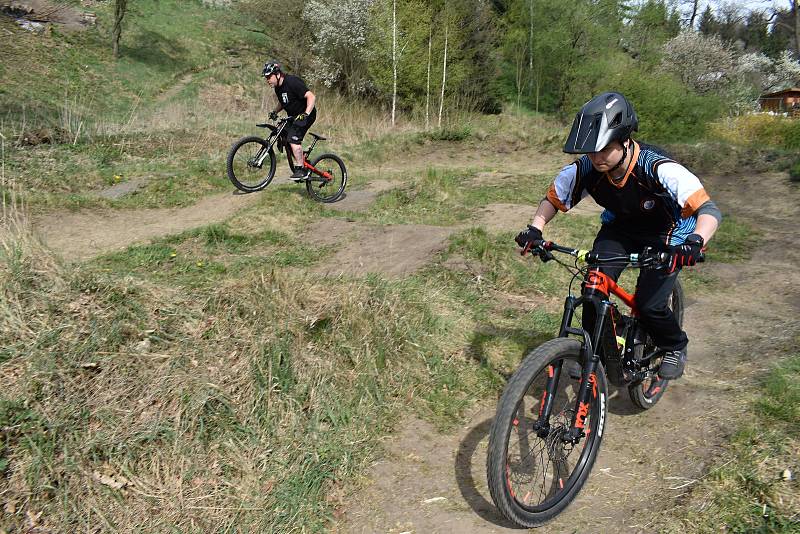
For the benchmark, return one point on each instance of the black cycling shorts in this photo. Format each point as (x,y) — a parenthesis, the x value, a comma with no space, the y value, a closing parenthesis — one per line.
(297,130)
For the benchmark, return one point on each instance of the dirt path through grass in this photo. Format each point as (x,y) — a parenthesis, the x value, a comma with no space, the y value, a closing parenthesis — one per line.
(435,483)
(82,235)
(430,482)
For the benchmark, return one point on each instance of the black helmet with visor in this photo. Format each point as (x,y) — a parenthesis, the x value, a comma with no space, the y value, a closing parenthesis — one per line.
(605,118)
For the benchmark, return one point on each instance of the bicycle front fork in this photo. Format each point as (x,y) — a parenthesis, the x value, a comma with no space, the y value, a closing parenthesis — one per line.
(587,390)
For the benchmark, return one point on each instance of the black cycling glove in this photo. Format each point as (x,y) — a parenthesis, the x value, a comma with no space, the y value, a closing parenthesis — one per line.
(687,254)
(529,238)
(273,115)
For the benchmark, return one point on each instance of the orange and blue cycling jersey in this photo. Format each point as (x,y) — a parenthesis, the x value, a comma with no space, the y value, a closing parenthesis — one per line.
(656,197)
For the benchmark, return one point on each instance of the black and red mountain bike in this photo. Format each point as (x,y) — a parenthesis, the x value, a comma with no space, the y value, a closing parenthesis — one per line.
(252,160)
(550,419)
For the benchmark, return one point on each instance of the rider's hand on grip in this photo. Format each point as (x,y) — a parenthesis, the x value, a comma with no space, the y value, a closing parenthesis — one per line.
(687,254)
(301,117)
(273,115)
(529,238)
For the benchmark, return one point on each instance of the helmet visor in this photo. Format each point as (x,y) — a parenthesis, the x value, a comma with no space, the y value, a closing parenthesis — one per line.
(589,133)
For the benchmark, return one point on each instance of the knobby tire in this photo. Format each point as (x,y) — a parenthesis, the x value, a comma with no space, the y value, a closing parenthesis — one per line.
(519,461)
(645,394)
(241,173)
(328,191)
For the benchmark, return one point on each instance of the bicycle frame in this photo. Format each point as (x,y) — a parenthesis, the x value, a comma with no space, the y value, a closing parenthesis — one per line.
(277,131)
(590,355)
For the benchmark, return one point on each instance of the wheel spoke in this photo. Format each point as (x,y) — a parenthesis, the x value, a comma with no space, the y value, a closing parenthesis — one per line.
(539,469)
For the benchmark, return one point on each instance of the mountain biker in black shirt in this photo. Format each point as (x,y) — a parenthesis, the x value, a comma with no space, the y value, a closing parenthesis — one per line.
(298,102)
(649,200)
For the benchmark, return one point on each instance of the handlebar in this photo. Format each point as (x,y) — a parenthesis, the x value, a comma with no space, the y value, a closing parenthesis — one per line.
(647,258)
(277,124)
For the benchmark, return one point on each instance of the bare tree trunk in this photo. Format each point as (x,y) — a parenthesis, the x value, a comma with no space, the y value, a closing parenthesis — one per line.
(394,59)
(694,14)
(120,7)
(519,80)
(530,47)
(428,85)
(444,73)
(796,9)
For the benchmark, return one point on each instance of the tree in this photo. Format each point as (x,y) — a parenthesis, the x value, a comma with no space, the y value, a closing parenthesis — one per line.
(444,66)
(394,59)
(339,29)
(651,25)
(290,39)
(708,23)
(730,22)
(756,31)
(704,63)
(428,79)
(786,25)
(120,9)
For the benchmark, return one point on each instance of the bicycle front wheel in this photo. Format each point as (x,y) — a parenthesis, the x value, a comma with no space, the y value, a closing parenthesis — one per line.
(330,187)
(532,473)
(251,164)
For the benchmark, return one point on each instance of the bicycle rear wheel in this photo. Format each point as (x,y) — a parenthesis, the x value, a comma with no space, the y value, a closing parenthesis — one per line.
(646,394)
(533,475)
(327,190)
(251,164)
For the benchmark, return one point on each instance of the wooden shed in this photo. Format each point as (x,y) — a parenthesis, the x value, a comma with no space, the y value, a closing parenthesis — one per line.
(786,101)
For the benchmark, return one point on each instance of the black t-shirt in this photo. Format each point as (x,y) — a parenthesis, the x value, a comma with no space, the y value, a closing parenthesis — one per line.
(291,94)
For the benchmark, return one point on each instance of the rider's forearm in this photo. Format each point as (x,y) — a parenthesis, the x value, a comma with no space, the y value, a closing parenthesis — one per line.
(279,108)
(706,226)
(311,99)
(544,213)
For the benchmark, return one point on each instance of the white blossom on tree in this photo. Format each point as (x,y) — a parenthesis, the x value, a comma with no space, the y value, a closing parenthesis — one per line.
(704,63)
(340,38)
(785,72)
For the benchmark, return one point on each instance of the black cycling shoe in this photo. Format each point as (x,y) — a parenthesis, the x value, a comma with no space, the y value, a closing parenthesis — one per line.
(300,173)
(672,364)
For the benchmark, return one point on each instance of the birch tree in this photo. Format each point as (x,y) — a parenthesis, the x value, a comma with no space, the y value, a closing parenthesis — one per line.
(394,59)
(428,82)
(444,68)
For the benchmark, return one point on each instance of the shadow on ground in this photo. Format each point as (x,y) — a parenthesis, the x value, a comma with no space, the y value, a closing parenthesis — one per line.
(466,482)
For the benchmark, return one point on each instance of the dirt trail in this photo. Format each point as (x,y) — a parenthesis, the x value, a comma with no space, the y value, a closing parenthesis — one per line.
(84,234)
(430,482)
(77,236)
(434,483)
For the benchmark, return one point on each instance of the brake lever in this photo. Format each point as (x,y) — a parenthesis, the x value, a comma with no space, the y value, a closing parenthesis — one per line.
(545,255)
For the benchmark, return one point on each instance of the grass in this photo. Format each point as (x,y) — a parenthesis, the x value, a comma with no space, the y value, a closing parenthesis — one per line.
(208,381)
(227,380)
(753,486)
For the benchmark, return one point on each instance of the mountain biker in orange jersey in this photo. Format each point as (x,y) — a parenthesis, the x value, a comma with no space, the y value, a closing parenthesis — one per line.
(298,102)
(649,200)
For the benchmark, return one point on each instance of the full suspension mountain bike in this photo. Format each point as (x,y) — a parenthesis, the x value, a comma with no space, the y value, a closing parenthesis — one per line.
(251,164)
(549,421)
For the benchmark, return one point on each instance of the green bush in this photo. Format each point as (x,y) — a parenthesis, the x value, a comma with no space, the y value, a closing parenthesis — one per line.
(668,111)
(454,133)
(758,129)
(794,172)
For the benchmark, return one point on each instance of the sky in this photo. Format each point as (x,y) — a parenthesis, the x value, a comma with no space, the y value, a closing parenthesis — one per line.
(750,4)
